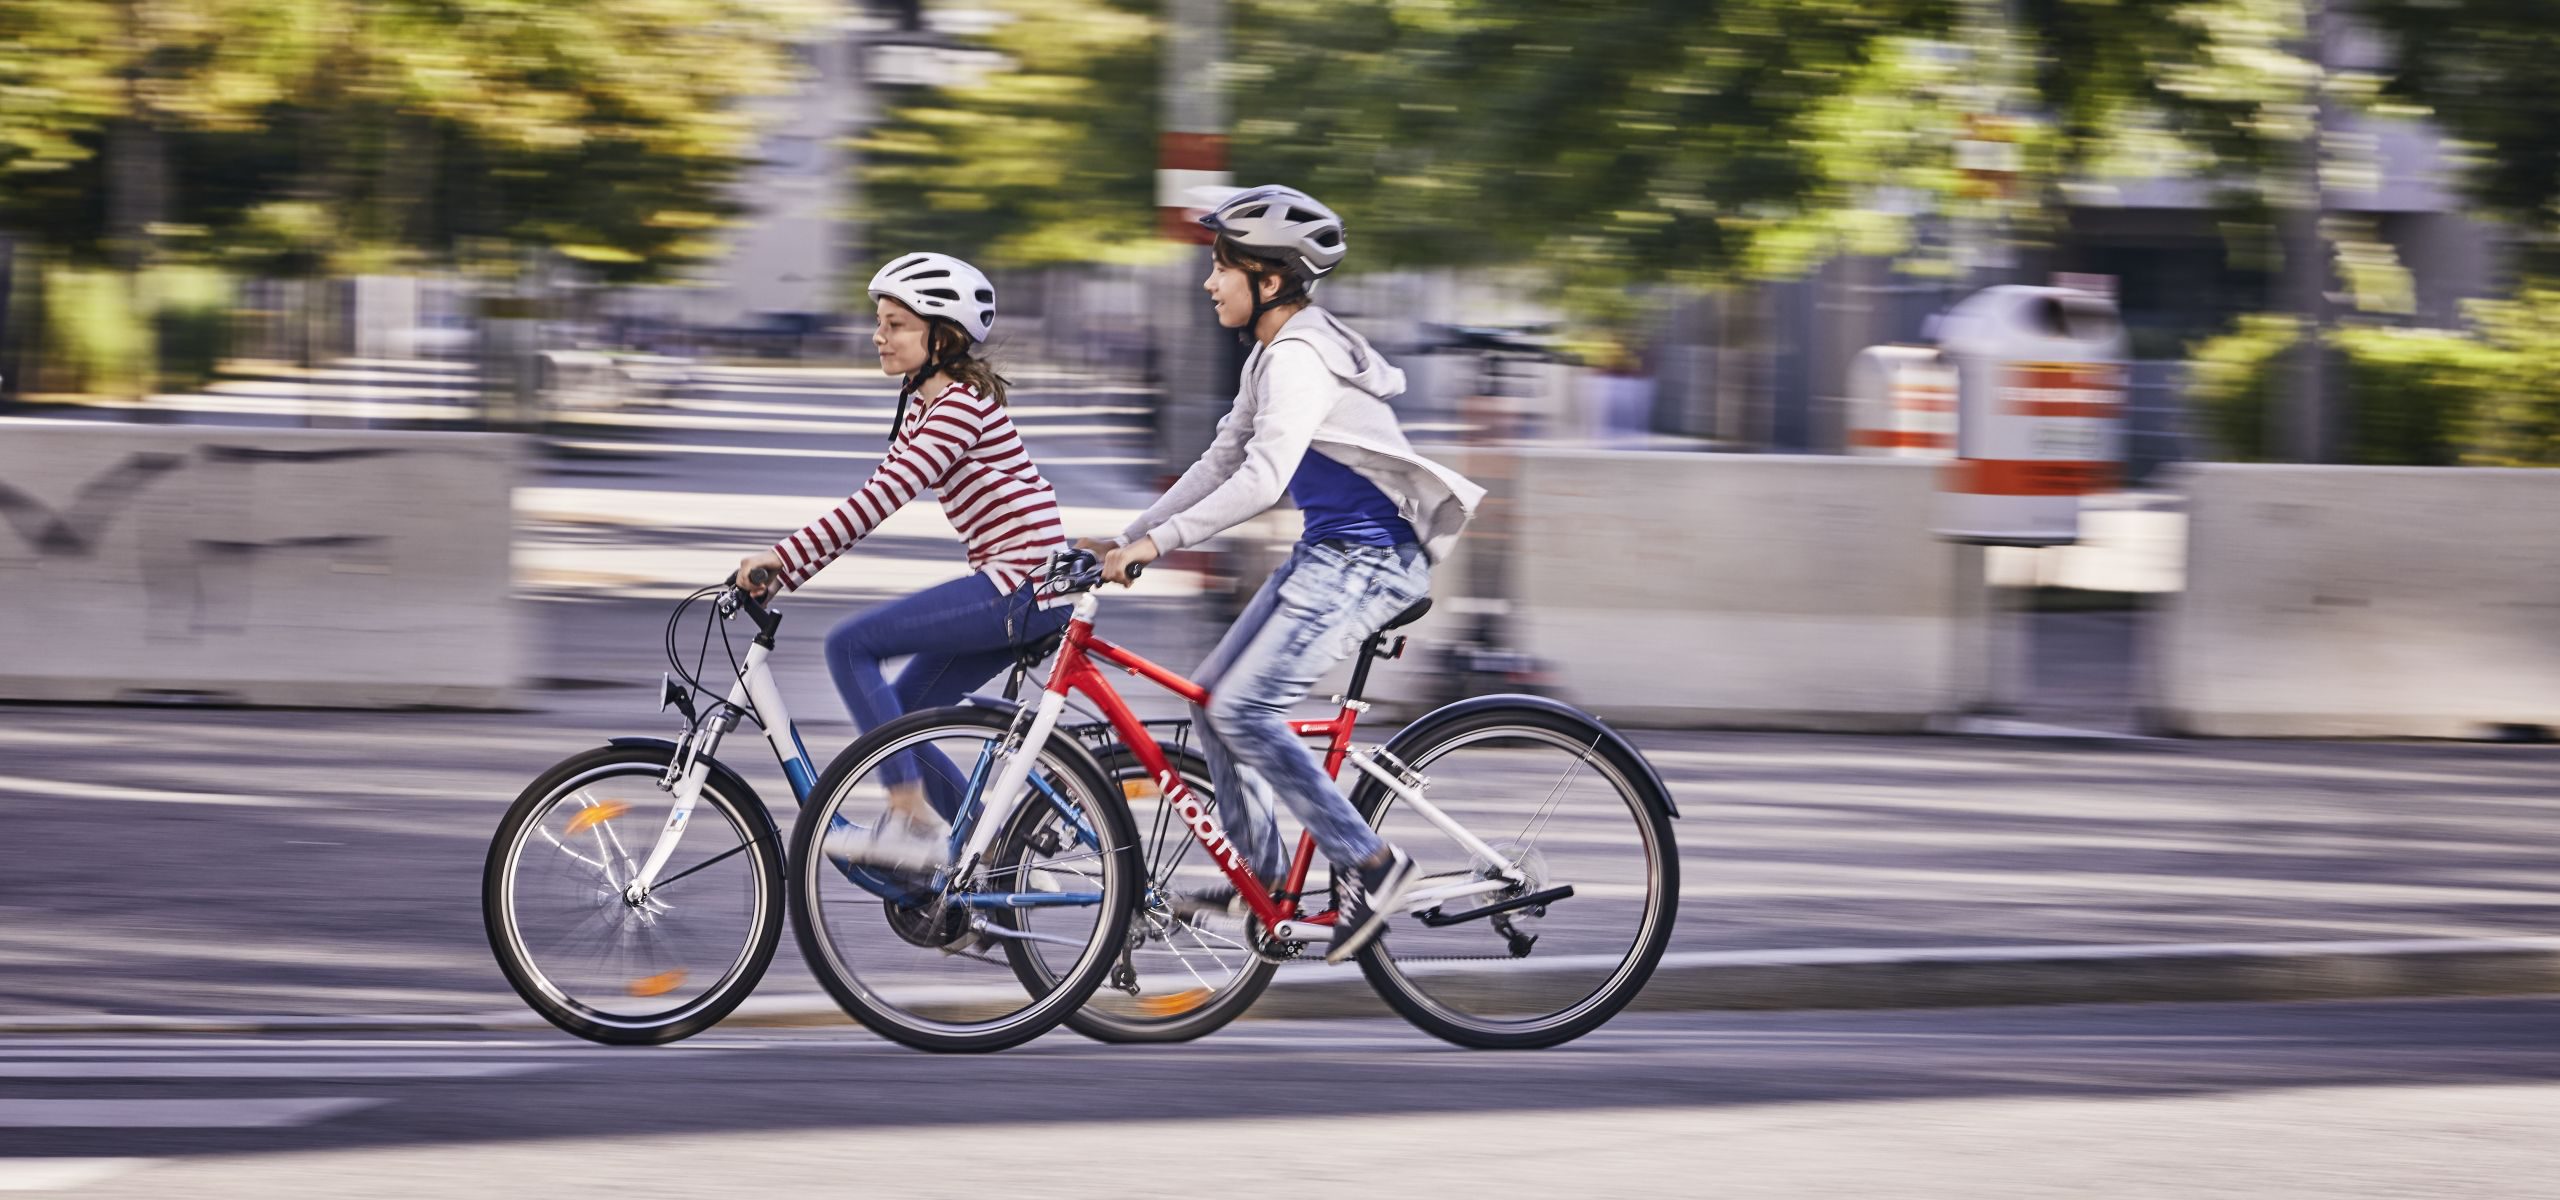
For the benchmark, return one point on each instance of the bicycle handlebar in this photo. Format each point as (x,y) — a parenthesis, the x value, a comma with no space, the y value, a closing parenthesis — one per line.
(1080,570)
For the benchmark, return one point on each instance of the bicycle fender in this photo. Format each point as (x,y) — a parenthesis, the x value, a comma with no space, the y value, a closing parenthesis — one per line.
(1608,736)
(735,784)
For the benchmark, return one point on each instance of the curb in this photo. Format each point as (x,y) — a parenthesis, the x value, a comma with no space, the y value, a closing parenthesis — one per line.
(1716,981)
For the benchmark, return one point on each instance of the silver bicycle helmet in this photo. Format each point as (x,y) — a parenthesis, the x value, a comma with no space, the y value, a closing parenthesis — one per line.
(1281,223)
(938,285)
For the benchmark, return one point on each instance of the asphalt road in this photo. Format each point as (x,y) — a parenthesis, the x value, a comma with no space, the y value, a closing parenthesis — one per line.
(2456,1099)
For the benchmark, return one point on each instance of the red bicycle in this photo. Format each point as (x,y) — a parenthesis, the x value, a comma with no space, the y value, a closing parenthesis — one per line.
(1530,934)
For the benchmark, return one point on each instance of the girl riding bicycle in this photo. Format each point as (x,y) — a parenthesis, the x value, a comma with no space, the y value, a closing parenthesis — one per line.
(951,437)
(1311,420)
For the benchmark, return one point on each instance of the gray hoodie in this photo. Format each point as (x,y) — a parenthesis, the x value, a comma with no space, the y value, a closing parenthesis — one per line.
(1316,385)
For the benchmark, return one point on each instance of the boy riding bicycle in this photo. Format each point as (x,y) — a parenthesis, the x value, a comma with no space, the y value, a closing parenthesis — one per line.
(1310,419)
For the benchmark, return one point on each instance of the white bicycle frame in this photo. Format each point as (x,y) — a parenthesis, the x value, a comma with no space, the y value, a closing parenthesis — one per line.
(755,692)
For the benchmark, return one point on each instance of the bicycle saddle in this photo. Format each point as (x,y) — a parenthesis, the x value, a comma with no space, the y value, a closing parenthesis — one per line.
(1408,616)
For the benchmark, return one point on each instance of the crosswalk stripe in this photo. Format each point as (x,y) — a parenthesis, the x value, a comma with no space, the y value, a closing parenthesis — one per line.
(64,789)
(231,1112)
(52,1174)
(128,1069)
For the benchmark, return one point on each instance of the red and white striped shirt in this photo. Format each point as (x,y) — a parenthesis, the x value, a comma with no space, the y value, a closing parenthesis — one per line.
(962,447)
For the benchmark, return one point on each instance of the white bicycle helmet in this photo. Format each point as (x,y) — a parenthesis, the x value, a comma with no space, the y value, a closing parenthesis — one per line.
(938,285)
(1282,223)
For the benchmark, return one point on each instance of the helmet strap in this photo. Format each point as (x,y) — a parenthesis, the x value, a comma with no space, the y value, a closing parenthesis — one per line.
(935,363)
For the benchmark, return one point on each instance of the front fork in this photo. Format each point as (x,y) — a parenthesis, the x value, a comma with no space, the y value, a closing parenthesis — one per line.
(691,764)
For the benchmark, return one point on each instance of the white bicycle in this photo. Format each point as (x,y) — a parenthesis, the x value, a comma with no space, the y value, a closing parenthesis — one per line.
(634,893)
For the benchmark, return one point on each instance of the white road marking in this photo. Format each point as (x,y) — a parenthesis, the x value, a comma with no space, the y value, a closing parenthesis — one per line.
(53,1174)
(233,1112)
(64,789)
(301,1069)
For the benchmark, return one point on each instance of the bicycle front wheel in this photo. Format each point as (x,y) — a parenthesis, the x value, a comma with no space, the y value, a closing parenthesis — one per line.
(1561,798)
(592,960)
(920,955)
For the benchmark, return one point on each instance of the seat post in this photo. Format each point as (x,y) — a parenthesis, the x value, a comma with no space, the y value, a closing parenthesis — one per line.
(1360,669)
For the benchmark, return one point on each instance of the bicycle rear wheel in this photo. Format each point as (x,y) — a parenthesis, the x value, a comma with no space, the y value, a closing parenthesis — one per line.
(1561,796)
(921,959)
(580,951)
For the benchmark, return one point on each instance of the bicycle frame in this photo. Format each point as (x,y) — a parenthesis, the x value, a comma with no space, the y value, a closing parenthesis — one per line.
(754,692)
(1076,672)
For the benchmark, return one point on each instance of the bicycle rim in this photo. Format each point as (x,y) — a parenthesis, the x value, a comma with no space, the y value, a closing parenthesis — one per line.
(1550,795)
(928,966)
(578,947)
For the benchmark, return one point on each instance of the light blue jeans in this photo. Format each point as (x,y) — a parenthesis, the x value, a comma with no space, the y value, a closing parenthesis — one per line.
(1313,613)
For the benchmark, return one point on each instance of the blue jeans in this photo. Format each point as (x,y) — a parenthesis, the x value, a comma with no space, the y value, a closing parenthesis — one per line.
(1313,613)
(960,635)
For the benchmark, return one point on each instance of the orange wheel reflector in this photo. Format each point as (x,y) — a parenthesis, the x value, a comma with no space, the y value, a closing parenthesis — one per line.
(659,984)
(589,818)
(1138,789)
(1173,1005)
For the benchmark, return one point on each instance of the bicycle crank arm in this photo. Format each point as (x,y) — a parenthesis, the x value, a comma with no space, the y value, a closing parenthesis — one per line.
(1436,918)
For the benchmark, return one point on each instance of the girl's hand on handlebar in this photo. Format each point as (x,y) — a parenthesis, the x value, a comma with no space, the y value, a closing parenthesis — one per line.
(1119,560)
(768,562)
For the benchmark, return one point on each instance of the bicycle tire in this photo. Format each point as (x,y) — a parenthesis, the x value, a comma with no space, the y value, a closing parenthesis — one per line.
(1651,809)
(919,1030)
(727,795)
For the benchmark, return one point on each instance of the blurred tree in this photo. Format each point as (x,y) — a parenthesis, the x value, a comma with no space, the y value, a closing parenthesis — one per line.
(298,134)
(1613,144)
(2483,69)
(1051,159)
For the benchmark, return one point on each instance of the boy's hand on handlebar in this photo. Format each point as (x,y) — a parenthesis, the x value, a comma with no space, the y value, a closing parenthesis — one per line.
(747,580)
(1097,545)
(1118,560)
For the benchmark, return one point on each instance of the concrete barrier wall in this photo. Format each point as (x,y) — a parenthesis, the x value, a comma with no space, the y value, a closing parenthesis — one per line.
(2362,602)
(1761,591)
(259,566)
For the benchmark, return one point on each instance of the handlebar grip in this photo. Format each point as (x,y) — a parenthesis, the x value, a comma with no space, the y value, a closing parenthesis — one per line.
(761,577)
(1135,570)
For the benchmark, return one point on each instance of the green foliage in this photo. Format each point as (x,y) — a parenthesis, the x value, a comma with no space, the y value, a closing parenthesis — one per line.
(190,324)
(1614,144)
(2235,379)
(115,334)
(97,332)
(1050,160)
(2483,69)
(298,134)
(2413,397)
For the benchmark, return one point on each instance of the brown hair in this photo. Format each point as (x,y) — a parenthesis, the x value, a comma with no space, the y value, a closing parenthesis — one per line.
(947,343)
(1294,281)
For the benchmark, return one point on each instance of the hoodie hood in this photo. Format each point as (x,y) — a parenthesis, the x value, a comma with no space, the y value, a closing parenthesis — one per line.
(1345,353)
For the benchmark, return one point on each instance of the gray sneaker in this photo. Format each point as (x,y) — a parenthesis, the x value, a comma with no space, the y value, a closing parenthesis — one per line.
(1363,899)
(894,844)
(1216,900)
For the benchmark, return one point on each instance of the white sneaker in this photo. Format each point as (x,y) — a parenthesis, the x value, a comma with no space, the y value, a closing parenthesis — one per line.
(895,843)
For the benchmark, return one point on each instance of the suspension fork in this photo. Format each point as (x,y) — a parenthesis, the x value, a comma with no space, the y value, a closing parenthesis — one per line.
(691,765)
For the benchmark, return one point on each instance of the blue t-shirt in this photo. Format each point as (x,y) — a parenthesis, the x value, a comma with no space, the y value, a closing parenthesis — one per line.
(1340,506)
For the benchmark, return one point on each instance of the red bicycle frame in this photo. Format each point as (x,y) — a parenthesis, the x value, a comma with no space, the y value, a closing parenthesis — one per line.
(1075,673)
